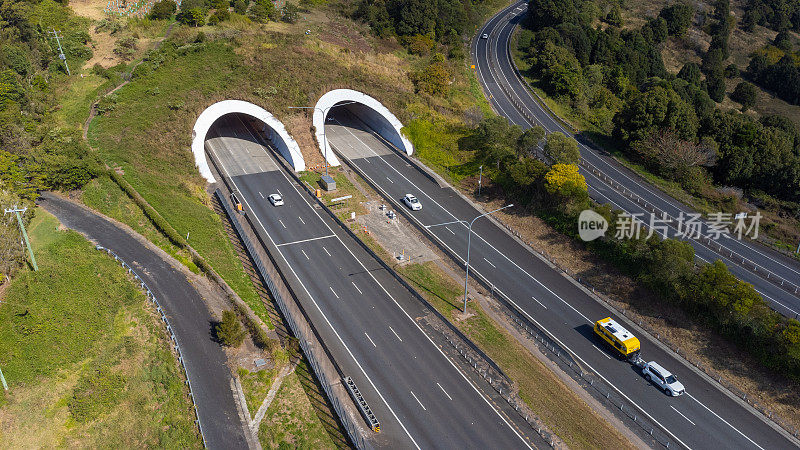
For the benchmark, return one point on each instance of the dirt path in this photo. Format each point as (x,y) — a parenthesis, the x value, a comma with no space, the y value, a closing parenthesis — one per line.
(127,79)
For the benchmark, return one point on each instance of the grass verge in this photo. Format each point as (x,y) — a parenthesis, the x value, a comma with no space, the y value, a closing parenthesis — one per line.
(567,415)
(86,359)
(291,420)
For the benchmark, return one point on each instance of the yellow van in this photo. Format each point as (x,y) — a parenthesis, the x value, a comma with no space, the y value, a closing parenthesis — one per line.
(620,339)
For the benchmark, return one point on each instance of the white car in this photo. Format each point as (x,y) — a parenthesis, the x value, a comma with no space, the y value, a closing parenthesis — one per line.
(412,202)
(662,378)
(485,36)
(276,199)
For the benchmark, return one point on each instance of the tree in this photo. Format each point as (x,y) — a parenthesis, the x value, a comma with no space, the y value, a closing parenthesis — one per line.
(163,9)
(614,16)
(690,72)
(240,6)
(564,181)
(746,94)
(731,71)
(783,40)
(529,141)
(230,331)
(195,17)
(290,13)
(562,149)
(655,108)
(716,86)
(678,18)
(671,156)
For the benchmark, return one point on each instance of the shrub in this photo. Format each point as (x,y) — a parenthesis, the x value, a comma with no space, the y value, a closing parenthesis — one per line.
(290,13)
(229,331)
(746,94)
(163,9)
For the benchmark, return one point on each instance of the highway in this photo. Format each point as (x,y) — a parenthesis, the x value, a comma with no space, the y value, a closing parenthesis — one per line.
(370,324)
(511,98)
(703,418)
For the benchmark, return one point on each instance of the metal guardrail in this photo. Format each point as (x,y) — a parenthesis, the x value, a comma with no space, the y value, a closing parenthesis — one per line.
(352,429)
(746,263)
(362,404)
(175,345)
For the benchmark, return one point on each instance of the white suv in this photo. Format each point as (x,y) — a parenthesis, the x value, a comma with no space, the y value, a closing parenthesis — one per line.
(412,202)
(661,377)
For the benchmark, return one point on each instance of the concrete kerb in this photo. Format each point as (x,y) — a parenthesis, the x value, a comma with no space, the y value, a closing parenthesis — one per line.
(589,290)
(322,364)
(168,325)
(285,142)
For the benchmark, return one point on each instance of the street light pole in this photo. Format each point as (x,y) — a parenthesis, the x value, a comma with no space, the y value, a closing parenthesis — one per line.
(324,137)
(469,241)
(480,178)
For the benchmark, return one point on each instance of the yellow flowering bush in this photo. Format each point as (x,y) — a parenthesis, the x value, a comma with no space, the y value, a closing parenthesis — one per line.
(564,179)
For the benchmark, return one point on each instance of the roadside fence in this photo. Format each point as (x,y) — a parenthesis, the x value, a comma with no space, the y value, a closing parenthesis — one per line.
(175,345)
(302,332)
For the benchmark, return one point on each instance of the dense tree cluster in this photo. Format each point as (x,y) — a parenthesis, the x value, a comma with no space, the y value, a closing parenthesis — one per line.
(710,293)
(616,79)
(775,14)
(782,77)
(437,19)
(35,153)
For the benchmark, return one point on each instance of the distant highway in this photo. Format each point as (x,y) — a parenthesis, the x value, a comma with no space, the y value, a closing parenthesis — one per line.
(368,321)
(703,418)
(511,98)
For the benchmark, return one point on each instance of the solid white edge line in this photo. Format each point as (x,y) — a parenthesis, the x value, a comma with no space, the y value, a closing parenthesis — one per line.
(452,364)
(724,421)
(332,328)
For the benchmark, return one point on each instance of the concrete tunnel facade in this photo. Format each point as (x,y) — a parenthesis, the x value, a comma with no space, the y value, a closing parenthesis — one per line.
(274,130)
(369,110)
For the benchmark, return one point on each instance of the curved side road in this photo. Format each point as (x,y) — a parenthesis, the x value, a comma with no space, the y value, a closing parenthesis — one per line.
(190,318)
(773,275)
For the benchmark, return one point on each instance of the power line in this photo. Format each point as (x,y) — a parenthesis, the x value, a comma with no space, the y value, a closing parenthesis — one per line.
(61,54)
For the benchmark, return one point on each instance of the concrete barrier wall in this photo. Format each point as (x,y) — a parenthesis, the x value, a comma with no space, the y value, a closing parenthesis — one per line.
(371,111)
(273,129)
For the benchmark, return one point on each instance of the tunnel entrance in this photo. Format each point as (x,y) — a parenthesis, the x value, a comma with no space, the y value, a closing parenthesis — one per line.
(357,108)
(257,124)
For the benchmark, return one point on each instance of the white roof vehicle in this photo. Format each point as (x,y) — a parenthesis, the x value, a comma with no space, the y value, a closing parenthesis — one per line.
(412,202)
(485,36)
(662,378)
(276,199)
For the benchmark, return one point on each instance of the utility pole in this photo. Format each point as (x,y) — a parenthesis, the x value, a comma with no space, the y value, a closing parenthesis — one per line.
(61,54)
(24,234)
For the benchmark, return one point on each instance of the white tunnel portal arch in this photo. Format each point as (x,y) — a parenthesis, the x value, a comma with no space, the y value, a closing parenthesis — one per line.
(274,130)
(369,110)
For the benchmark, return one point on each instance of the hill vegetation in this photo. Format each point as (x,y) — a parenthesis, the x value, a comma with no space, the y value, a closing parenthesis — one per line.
(613,78)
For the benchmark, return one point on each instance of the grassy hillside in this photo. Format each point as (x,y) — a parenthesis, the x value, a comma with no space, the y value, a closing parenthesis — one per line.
(85,356)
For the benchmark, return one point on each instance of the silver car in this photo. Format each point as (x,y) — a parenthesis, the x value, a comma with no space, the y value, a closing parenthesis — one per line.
(661,377)
(412,202)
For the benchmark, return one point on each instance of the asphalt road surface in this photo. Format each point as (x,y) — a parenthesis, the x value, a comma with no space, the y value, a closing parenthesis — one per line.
(495,69)
(190,319)
(367,320)
(704,417)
